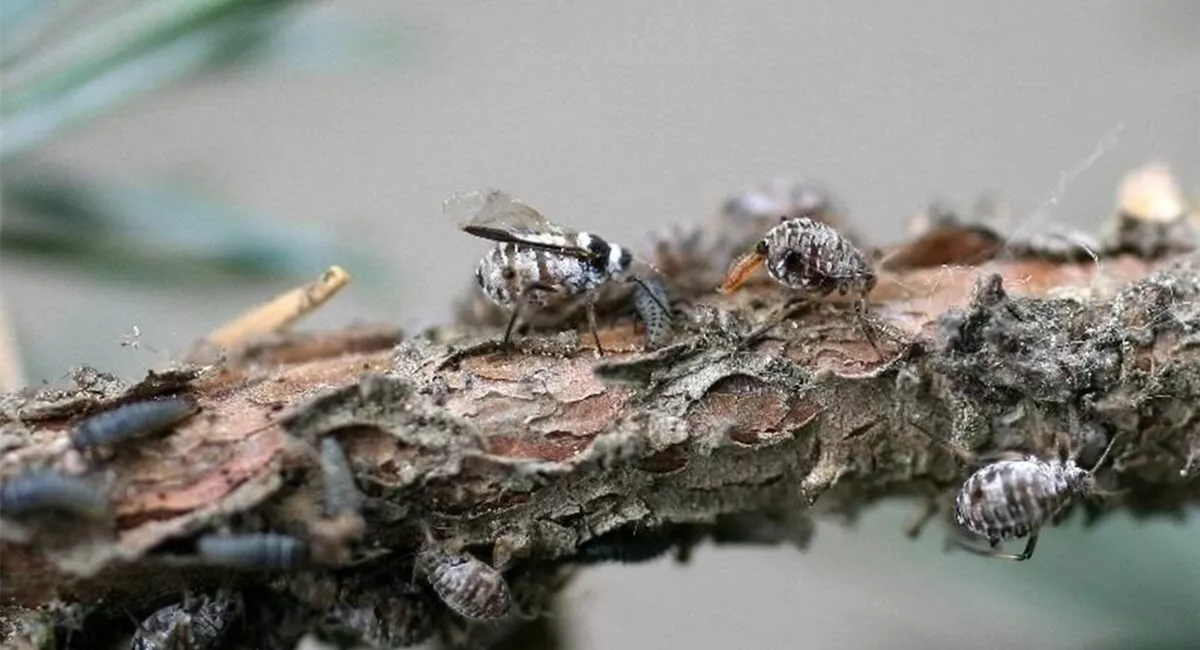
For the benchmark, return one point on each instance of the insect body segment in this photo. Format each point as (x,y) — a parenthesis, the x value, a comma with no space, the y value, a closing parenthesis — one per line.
(466,584)
(132,421)
(49,491)
(536,265)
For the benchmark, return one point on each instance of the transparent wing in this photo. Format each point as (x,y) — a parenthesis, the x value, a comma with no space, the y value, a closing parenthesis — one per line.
(497,210)
(494,215)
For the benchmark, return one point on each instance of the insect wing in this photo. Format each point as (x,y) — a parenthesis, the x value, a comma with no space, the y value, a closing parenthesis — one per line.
(494,215)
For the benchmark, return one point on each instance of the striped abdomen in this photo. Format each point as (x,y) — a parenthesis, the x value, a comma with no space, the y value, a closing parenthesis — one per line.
(507,269)
(1012,498)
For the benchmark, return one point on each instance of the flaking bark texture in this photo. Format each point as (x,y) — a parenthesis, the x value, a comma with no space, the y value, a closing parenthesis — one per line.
(545,459)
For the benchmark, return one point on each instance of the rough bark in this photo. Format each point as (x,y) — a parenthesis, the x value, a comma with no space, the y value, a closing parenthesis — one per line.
(545,459)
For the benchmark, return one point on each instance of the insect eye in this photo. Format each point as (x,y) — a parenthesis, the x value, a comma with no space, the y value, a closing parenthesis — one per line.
(761,248)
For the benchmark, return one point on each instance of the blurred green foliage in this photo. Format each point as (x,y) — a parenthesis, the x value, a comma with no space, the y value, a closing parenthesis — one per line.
(65,63)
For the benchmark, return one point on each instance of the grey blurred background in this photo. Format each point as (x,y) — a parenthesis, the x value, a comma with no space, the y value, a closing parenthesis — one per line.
(342,135)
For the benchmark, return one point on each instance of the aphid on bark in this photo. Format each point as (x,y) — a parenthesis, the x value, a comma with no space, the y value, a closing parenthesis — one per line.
(261,551)
(341,492)
(48,491)
(814,260)
(1011,499)
(808,256)
(466,584)
(649,297)
(538,265)
(132,421)
(187,626)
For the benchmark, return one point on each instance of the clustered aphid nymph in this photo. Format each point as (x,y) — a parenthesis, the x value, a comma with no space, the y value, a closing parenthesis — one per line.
(253,551)
(46,491)
(132,421)
(468,586)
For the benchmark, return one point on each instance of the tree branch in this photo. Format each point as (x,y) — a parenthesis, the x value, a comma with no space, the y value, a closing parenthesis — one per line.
(545,459)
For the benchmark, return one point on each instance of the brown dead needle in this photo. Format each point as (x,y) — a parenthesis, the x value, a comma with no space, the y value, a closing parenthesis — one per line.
(283,310)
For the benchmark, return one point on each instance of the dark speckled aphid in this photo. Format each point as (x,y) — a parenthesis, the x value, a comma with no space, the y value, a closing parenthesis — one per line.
(183,627)
(131,421)
(1011,499)
(651,302)
(44,491)
(260,551)
(807,256)
(812,259)
(466,584)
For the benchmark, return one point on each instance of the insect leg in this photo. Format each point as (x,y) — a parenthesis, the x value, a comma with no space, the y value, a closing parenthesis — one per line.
(987,552)
(591,314)
(916,521)
(966,455)
(860,312)
(511,322)
(526,291)
(789,309)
